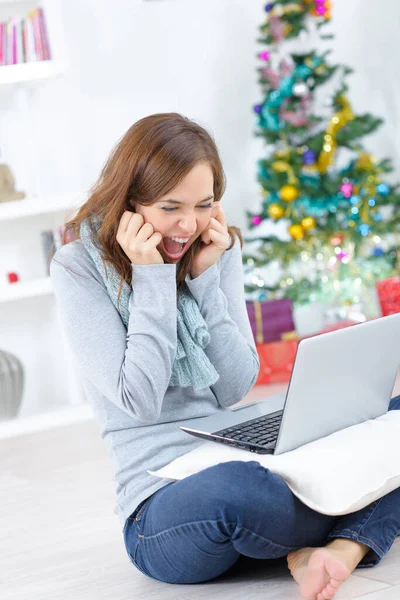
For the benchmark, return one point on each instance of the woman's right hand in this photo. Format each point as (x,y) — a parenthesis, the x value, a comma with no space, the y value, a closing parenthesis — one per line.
(138,239)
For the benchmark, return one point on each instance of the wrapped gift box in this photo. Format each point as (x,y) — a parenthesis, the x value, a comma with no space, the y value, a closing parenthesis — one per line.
(277,358)
(276,361)
(389,295)
(269,320)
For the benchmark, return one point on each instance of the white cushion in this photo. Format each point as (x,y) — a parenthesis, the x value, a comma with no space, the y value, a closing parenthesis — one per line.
(335,475)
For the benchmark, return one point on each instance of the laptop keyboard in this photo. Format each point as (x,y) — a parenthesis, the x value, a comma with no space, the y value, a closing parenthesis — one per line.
(261,431)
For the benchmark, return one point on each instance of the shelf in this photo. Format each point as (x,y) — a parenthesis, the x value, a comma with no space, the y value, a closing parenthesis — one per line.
(17,209)
(56,418)
(26,289)
(32,71)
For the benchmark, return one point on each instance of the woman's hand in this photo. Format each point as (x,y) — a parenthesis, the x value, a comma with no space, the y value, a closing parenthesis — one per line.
(138,239)
(216,240)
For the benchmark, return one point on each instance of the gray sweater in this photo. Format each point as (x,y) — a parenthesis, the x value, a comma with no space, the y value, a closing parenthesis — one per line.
(126,374)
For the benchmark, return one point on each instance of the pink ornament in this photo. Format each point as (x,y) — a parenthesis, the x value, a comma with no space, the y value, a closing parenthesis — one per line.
(264,55)
(342,255)
(271,76)
(346,189)
(285,68)
(297,119)
(256,220)
(335,241)
(277,29)
(320,10)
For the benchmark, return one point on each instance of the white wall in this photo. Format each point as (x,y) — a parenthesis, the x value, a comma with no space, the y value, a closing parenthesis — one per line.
(131,58)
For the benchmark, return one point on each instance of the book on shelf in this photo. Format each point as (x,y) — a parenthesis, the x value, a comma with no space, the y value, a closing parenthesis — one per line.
(24,39)
(52,240)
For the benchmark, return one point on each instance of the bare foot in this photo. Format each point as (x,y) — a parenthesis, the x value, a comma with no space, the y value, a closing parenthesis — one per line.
(320,571)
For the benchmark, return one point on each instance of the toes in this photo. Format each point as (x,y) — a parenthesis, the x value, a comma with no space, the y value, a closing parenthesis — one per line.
(330,591)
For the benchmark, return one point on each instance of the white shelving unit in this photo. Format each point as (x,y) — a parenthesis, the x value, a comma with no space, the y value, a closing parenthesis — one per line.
(29,207)
(16,74)
(26,289)
(29,322)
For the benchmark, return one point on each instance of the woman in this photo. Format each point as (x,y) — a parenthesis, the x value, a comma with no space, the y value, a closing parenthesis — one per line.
(151,295)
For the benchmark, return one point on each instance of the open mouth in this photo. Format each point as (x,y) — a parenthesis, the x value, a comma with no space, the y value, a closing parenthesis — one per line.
(174,250)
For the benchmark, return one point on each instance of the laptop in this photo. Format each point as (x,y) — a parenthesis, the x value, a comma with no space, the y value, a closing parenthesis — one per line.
(339,379)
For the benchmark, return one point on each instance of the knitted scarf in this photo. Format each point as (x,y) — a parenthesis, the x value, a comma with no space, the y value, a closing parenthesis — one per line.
(191,366)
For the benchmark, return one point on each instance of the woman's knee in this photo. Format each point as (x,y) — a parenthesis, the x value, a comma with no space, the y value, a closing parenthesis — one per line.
(395,403)
(243,488)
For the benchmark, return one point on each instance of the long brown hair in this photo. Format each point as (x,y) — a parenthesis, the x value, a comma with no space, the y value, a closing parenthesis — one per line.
(149,161)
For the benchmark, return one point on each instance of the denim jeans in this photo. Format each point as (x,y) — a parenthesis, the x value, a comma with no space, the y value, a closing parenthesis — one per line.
(193,530)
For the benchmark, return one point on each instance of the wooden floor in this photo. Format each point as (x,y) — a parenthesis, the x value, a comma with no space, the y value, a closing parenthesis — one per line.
(60,540)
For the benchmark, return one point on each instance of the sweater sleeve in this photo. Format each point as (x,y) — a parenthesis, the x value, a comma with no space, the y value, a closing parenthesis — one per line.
(219,294)
(131,368)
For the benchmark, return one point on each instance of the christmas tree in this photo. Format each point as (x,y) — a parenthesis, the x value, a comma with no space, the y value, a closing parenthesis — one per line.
(328,226)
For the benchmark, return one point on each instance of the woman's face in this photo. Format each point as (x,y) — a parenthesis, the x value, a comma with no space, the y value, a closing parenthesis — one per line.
(183,213)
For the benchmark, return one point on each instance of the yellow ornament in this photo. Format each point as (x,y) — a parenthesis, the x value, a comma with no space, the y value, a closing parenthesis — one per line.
(296,231)
(365,161)
(282,153)
(336,123)
(275,211)
(289,193)
(308,223)
(281,166)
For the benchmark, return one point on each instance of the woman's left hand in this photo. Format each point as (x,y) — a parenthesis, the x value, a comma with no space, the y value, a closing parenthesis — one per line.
(216,240)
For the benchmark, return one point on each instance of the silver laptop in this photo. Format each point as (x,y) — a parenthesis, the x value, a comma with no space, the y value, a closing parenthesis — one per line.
(339,379)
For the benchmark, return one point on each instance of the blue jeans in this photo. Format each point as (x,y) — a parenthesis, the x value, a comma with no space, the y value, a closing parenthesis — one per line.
(193,530)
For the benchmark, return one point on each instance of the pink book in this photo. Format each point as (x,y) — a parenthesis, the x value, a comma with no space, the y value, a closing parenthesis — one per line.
(9,44)
(20,49)
(36,34)
(2,43)
(14,43)
(24,34)
(43,35)
(31,54)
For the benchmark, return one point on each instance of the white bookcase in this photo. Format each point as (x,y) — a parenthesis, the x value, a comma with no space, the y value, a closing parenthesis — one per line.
(29,322)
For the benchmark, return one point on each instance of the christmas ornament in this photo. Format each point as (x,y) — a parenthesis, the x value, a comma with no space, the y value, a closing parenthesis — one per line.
(382,189)
(337,239)
(364,162)
(271,76)
(347,189)
(289,193)
(309,157)
(308,223)
(300,89)
(256,220)
(277,28)
(275,211)
(296,231)
(281,166)
(264,55)
(337,122)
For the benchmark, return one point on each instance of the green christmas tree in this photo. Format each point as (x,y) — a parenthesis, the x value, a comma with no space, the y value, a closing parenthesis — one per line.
(336,218)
